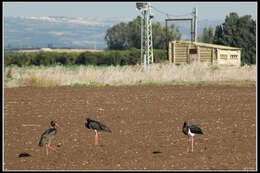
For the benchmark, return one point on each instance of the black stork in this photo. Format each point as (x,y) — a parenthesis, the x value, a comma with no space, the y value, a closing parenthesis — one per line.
(96,126)
(190,130)
(48,135)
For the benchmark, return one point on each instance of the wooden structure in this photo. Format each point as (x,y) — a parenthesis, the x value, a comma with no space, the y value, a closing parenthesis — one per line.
(186,52)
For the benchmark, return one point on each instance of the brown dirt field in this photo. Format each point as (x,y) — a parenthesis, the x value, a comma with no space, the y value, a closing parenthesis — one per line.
(143,119)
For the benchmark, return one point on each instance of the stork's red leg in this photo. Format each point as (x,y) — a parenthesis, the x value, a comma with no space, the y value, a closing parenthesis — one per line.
(52,148)
(192,141)
(188,146)
(96,138)
(46,148)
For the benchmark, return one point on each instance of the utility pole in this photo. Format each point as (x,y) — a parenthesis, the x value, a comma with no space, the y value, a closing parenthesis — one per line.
(146,33)
(195,12)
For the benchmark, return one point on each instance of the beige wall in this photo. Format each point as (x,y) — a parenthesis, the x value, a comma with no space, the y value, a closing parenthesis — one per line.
(229,57)
(179,53)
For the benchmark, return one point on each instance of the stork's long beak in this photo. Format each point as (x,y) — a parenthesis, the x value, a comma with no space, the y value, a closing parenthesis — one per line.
(58,125)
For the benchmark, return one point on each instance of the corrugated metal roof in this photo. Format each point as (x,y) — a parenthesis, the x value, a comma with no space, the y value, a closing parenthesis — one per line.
(207,45)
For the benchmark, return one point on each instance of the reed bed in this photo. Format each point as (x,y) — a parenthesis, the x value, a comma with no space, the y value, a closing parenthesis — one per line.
(124,75)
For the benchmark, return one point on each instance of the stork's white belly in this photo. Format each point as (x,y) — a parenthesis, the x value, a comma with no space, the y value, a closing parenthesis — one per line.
(190,133)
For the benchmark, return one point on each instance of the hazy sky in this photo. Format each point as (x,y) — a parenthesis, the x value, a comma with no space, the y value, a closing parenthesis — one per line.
(206,10)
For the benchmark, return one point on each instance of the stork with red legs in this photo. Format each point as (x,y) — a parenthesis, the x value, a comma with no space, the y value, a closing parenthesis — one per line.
(96,126)
(190,130)
(48,136)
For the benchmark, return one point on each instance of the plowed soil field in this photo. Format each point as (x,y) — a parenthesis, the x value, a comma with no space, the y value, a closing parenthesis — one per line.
(146,124)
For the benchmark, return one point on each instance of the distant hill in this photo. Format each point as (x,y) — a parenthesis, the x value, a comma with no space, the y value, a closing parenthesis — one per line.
(69,32)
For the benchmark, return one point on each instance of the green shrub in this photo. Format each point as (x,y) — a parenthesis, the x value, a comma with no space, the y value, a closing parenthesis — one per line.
(87,58)
(108,57)
(214,68)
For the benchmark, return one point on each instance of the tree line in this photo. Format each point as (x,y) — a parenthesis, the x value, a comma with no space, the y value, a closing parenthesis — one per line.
(124,36)
(235,32)
(108,57)
(124,41)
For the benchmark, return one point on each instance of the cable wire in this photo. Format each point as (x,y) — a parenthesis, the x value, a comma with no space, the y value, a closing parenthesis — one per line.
(167,14)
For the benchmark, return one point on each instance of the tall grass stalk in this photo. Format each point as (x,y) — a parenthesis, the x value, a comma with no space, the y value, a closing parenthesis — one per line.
(126,75)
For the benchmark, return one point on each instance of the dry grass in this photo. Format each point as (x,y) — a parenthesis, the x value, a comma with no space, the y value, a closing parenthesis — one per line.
(126,75)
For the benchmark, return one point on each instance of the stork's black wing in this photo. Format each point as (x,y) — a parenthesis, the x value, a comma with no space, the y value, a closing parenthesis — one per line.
(104,127)
(195,129)
(95,125)
(46,136)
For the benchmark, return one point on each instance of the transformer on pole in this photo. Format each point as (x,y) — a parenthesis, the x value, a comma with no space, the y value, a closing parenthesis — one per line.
(146,33)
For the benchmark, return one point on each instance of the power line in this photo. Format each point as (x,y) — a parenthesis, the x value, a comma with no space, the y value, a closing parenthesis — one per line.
(167,14)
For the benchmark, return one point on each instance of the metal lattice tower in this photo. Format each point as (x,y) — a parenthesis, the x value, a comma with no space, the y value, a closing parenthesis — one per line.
(146,33)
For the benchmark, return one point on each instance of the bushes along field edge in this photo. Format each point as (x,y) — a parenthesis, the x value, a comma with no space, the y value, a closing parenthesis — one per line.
(108,57)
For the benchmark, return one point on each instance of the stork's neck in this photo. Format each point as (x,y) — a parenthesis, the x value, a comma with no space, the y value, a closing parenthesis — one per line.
(54,127)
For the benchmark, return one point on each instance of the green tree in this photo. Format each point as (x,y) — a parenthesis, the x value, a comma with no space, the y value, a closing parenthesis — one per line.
(230,29)
(174,33)
(158,36)
(133,33)
(238,32)
(116,37)
(208,35)
(126,36)
(218,36)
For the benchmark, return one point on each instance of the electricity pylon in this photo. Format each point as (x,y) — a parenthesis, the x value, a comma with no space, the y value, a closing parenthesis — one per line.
(146,33)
